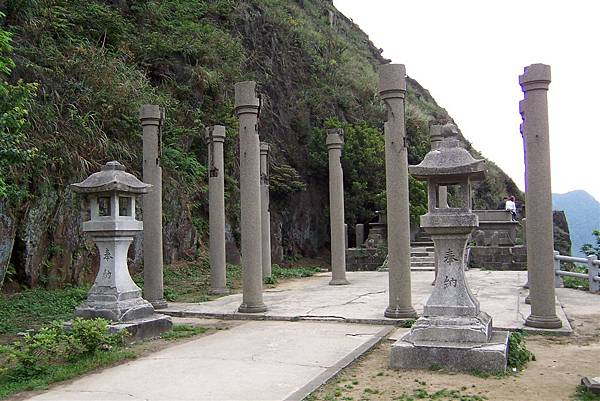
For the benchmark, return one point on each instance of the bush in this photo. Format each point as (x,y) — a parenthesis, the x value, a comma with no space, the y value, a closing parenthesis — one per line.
(37,353)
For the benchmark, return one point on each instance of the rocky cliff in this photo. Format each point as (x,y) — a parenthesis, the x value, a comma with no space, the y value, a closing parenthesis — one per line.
(96,62)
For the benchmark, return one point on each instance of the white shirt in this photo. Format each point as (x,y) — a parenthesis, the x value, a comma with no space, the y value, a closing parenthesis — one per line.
(510,205)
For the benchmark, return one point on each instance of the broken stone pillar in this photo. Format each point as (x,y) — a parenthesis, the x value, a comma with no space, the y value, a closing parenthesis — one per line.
(215,138)
(110,195)
(151,117)
(392,89)
(453,332)
(265,150)
(247,105)
(540,244)
(335,141)
(360,235)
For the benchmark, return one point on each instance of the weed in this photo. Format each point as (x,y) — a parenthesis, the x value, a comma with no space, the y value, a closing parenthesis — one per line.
(518,354)
(408,323)
(183,331)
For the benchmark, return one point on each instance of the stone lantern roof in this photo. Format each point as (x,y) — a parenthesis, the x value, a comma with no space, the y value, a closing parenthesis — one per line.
(450,162)
(112,177)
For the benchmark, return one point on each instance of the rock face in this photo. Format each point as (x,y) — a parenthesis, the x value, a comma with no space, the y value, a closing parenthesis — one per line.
(562,239)
(311,63)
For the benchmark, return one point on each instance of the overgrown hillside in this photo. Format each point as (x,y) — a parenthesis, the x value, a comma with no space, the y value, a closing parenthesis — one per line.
(96,62)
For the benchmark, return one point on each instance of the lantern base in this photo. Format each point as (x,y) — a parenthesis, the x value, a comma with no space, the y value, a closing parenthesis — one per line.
(116,307)
(489,357)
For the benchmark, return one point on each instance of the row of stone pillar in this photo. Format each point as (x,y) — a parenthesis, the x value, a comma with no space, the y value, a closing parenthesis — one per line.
(254,189)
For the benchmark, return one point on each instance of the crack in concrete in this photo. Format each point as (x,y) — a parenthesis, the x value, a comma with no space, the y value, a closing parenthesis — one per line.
(99,392)
(348,302)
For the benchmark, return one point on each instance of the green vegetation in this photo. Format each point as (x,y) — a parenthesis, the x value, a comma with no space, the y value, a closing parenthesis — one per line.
(282,272)
(576,282)
(183,331)
(55,353)
(518,354)
(444,394)
(35,308)
(592,249)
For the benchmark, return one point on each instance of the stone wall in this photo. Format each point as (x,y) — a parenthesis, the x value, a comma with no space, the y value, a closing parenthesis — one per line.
(365,259)
(498,257)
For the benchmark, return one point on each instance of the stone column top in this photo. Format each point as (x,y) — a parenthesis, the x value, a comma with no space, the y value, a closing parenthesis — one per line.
(151,114)
(265,148)
(246,99)
(392,80)
(335,138)
(536,76)
(215,133)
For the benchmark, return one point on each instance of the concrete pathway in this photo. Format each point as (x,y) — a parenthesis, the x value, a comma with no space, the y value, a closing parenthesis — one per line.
(365,299)
(252,361)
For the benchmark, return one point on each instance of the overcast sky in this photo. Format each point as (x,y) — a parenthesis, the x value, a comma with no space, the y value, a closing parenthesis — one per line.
(469,55)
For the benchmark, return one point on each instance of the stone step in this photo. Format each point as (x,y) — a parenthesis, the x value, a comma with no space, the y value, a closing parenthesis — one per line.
(422,268)
(421,243)
(429,249)
(422,264)
(418,254)
(422,259)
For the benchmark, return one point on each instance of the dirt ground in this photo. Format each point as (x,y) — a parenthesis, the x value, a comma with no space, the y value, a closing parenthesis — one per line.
(560,364)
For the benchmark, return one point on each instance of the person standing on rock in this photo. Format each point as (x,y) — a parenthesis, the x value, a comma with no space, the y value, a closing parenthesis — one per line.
(510,205)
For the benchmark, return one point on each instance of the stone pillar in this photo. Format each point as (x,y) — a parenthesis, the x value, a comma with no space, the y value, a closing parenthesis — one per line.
(215,137)
(247,106)
(392,89)
(540,245)
(335,141)
(151,117)
(360,235)
(265,150)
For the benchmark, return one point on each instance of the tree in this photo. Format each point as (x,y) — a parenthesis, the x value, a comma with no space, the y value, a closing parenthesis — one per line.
(590,249)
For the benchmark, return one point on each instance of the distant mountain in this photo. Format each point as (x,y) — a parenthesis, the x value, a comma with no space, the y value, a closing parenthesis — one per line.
(583,216)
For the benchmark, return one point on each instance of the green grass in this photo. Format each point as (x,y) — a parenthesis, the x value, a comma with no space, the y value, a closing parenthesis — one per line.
(183,331)
(282,273)
(35,308)
(9,385)
(444,394)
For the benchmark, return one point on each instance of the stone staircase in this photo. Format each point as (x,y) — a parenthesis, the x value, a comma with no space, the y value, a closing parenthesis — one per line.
(422,253)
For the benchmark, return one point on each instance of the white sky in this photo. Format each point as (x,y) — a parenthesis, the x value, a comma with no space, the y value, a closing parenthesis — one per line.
(469,55)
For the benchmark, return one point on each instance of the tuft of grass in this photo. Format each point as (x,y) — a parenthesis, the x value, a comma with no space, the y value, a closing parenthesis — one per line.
(408,323)
(280,273)
(183,331)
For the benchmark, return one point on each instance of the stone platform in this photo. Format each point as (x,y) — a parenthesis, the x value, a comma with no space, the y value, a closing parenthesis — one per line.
(500,294)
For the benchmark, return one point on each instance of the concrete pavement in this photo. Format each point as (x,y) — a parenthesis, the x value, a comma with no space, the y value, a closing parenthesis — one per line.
(363,301)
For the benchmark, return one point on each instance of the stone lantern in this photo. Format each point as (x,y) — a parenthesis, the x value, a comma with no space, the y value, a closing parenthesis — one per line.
(110,195)
(453,332)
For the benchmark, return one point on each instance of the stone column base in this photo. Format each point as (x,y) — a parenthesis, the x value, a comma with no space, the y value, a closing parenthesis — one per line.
(219,291)
(258,308)
(490,357)
(339,281)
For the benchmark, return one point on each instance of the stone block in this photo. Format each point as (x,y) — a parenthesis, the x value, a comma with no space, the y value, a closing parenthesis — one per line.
(592,384)
(489,357)
(141,329)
